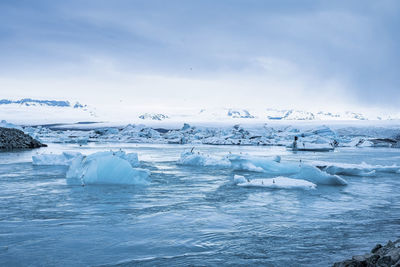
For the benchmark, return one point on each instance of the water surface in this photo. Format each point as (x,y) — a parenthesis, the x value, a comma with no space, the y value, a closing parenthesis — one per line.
(191,215)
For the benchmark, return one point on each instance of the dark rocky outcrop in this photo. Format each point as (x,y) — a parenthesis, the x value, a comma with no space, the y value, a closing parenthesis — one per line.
(382,256)
(14,139)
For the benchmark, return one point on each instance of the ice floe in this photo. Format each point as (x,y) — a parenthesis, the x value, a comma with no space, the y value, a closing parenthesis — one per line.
(279,182)
(349,169)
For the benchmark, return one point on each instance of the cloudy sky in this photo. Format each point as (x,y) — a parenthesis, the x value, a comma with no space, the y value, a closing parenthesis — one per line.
(328,55)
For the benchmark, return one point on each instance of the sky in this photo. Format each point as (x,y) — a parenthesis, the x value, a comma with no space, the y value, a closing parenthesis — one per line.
(329,55)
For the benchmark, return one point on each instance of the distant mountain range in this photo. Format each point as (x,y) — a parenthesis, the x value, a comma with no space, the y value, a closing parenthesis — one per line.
(35,111)
(36,102)
(291,114)
(286,114)
(30,110)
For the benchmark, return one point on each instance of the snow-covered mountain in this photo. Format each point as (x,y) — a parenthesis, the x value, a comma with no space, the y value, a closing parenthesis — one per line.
(291,114)
(153,116)
(38,111)
(29,111)
(285,114)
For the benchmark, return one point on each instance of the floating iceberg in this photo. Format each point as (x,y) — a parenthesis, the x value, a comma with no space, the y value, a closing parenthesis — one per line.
(362,169)
(316,176)
(199,159)
(293,170)
(260,164)
(272,166)
(105,168)
(63,159)
(277,182)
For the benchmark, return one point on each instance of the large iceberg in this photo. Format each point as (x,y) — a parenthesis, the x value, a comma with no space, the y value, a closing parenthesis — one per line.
(276,183)
(106,168)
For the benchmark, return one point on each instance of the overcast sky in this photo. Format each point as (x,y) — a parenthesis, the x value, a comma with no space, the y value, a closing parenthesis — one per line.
(168,54)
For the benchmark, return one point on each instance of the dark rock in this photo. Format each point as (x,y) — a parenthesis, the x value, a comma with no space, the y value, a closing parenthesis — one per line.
(382,256)
(376,248)
(14,139)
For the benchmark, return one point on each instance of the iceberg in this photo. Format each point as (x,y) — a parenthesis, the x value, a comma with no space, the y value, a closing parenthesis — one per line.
(260,164)
(63,159)
(362,169)
(273,166)
(316,176)
(293,170)
(105,168)
(276,183)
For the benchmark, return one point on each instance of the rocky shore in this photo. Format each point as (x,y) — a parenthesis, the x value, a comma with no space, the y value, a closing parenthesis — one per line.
(382,256)
(17,139)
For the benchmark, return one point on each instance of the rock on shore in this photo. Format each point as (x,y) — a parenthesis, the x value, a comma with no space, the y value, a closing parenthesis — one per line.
(388,255)
(14,138)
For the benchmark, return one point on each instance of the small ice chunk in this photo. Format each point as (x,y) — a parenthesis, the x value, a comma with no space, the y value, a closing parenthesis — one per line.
(277,182)
(239,179)
(277,159)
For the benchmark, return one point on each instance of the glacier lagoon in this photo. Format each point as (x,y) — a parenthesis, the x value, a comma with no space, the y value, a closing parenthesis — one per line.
(191,215)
